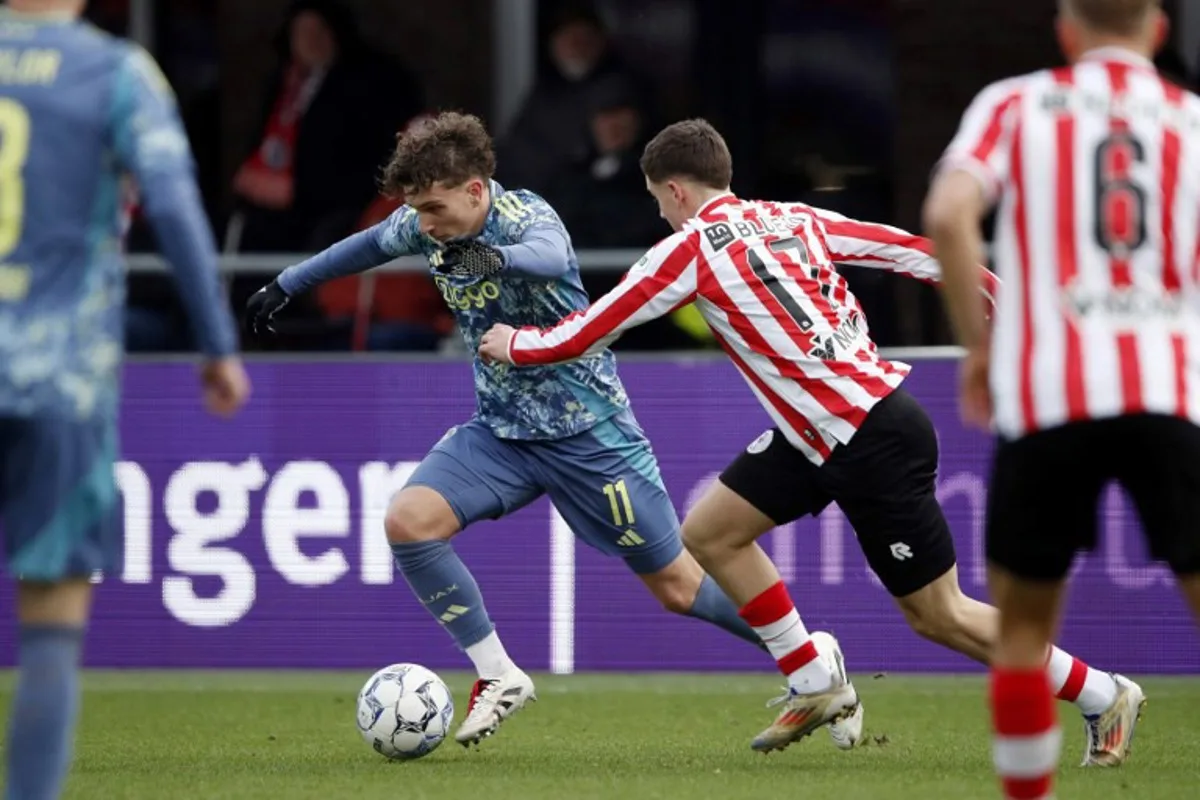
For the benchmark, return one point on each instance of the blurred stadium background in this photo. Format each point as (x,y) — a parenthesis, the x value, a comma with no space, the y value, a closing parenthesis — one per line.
(256,547)
(260,544)
(842,103)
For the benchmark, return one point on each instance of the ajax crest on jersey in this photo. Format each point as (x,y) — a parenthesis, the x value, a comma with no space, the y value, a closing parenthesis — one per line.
(404,711)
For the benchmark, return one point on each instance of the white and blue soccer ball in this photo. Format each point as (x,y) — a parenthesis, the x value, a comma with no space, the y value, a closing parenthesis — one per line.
(404,711)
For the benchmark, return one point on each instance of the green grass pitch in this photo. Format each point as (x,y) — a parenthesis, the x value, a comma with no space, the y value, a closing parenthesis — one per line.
(228,736)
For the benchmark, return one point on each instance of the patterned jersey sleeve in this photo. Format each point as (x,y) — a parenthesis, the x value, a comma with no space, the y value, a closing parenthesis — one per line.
(400,234)
(983,144)
(521,211)
(148,136)
(149,142)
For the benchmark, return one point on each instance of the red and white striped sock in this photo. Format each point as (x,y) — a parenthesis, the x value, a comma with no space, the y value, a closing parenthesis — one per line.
(776,621)
(1028,740)
(1091,690)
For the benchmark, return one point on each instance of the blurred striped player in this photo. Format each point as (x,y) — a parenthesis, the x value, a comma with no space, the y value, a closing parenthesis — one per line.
(1090,374)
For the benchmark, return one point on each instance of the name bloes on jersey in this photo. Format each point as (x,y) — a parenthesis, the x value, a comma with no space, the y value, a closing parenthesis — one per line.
(29,66)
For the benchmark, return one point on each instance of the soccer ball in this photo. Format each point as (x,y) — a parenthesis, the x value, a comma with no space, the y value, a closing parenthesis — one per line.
(404,711)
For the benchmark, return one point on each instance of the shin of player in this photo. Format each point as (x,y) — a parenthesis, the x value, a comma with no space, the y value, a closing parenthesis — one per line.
(419,526)
(1028,739)
(52,620)
(722,532)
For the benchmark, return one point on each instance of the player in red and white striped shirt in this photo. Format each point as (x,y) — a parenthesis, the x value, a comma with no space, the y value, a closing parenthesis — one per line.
(1091,371)
(762,274)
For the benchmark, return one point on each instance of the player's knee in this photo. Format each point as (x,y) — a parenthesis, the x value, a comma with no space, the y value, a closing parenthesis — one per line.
(674,591)
(412,517)
(63,603)
(678,593)
(675,585)
(699,541)
(676,599)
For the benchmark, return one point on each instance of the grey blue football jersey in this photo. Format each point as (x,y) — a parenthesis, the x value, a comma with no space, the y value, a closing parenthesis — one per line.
(519,403)
(80,113)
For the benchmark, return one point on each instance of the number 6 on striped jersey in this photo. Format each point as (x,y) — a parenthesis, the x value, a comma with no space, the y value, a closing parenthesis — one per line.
(1120,202)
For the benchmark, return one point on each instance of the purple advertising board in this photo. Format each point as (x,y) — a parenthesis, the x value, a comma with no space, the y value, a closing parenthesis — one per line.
(258,542)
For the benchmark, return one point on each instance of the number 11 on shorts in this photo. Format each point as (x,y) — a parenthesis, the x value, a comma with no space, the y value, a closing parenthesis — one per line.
(615,491)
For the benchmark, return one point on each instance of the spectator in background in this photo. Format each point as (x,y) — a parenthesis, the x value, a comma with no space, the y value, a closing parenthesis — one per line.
(602,198)
(333,109)
(603,202)
(551,130)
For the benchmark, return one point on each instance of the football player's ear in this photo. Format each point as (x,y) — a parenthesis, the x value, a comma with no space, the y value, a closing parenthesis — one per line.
(1160,29)
(475,189)
(677,192)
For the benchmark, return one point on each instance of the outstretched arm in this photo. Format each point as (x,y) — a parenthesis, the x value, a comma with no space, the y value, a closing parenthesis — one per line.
(394,237)
(663,280)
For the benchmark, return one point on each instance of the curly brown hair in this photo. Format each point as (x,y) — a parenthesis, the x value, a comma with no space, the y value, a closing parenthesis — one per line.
(450,148)
(689,149)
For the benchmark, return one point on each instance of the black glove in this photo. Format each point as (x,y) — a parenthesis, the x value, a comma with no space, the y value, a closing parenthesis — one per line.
(262,307)
(470,259)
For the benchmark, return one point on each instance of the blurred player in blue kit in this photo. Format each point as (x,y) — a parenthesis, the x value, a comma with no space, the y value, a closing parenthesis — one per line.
(79,112)
(565,431)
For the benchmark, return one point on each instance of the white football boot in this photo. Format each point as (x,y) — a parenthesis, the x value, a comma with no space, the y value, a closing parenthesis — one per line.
(1110,735)
(845,733)
(492,702)
(804,713)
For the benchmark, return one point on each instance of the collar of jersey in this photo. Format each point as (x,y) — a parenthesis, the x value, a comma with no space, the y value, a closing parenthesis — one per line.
(495,190)
(1120,54)
(722,199)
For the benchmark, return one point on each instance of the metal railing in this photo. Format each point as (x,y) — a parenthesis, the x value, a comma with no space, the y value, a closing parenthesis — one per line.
(595,261)
(273,263)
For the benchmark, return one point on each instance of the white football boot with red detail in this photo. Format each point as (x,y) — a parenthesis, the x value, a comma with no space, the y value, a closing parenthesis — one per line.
(804,713)
(492,702)
(846,732)
(1110,735)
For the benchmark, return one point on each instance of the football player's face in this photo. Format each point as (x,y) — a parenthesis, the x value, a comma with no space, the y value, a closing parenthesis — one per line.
(450,212)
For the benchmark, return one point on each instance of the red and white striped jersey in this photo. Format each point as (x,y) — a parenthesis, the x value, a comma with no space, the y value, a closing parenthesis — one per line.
(762,275)
(1096,168)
